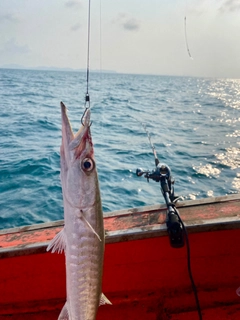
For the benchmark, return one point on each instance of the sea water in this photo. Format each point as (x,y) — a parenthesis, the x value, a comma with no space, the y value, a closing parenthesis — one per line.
(194,124)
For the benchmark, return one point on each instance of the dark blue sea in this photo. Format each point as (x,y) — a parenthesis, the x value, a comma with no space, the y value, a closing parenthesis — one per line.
(194,124)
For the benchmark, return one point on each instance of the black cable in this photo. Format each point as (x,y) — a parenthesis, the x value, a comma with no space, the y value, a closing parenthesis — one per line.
(189,267)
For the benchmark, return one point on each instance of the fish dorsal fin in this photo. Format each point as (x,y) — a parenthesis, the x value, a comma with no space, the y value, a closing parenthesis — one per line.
(104,300)
(64,313)
(58,243)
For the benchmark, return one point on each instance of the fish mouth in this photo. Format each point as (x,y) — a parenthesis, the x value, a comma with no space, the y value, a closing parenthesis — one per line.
(81,142)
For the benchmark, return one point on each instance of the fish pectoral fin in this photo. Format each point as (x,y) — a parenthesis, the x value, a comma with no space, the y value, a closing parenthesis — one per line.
(89,225)
(104,300)
(64,313)
(58,243)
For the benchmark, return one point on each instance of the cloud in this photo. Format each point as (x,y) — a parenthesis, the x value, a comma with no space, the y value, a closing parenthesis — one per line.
(76,27)
(230,6)
(73,4)
(128,23)
(131,25)
(8,17)
(12,48)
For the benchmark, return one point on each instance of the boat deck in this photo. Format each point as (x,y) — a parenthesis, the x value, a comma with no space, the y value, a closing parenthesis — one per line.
(143,277)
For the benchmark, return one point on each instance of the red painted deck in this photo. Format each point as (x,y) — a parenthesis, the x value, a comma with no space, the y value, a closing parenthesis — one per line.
(143,276)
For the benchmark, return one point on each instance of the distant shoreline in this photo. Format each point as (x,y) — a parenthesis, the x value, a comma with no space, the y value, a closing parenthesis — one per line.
(43,68)
(56,69)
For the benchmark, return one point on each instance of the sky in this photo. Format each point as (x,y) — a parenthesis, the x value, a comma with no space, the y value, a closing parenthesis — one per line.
(127,36)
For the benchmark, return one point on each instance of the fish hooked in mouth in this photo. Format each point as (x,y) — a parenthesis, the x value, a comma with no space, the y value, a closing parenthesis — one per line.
(82,237)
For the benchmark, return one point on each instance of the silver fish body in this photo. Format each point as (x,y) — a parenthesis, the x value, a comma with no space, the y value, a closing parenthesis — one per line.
(82,237)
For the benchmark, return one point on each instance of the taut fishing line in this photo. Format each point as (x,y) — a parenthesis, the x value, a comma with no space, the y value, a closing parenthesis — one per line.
(151,144)
(100,33)
(100,61)
(87,97)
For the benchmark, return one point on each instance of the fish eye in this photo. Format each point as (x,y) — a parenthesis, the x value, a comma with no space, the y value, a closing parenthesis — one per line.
(87,164)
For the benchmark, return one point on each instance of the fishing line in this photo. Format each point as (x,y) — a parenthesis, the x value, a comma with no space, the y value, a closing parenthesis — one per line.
(100,34)
(87,97)
(151,144)
(89,225)
(186,39)
(100,67)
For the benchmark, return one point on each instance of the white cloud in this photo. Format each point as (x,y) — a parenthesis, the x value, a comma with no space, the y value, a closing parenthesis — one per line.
(11,47)
(131,24)
(127,22)
(230,6)
(8,17)
(76,27)
(73,4)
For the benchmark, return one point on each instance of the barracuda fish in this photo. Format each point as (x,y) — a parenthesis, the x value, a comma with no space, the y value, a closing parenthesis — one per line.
(82,237)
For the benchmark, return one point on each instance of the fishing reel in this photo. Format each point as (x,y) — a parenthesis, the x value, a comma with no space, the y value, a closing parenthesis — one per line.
(162,174)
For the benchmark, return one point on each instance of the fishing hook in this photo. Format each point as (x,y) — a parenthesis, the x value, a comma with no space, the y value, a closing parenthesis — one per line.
(87,101)
(84,116)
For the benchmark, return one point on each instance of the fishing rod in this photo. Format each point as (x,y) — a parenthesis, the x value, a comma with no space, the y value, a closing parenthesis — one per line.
(176,229)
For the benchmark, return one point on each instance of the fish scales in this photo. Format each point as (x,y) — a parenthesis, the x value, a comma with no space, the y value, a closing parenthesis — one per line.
(83,288)
(82,237)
